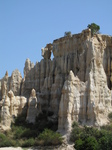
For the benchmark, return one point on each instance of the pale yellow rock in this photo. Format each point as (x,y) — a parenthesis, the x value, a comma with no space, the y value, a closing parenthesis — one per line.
(46,52)
(5,114)
(75,84)
(11,107)
(19,104)
(70,104)
(32,107)
(88,103)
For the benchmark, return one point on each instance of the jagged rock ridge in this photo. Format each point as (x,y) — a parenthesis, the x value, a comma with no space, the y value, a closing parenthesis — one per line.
(75,85)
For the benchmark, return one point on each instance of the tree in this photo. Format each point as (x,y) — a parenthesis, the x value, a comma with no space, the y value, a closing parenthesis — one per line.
(68,33)
(94,28)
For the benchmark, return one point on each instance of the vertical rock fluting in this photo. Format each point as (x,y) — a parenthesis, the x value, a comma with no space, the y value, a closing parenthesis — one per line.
(29,77)
(92,101)
(75,77)
(15,83)
(74,53)
(11,83)
(32,107)
(12,106)
(5,114)
(71,106)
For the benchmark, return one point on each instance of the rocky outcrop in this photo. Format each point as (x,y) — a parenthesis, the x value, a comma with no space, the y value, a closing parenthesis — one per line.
(75,85)
(15,83)
(32,107)
(99,103)
(5,114)
(72,102)
(46,52)
(88,103)
(11,83)
(12,106)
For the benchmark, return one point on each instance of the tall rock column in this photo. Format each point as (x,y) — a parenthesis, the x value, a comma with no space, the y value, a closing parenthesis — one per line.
(32,107)
(70,104)
(5,114)
(99,97)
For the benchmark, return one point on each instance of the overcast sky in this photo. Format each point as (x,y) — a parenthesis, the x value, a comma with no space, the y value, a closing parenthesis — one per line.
(28,25)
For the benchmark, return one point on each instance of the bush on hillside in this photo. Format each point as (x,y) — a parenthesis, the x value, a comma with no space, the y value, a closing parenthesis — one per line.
(26,134)
(5,141)
(75,124)
(90,143)
(89,138)
(110,116)
(28,142)
(50,137)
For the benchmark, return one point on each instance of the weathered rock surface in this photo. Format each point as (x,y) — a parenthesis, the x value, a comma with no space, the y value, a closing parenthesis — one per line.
(11,83)
(11,106)
(5,114)
(32,107)
(73,93)
(88,103)
(46,52)
(75,85)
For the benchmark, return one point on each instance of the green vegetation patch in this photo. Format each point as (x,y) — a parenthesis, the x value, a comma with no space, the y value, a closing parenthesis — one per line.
(110,116)
(49,137)
(24,134)
(94,28)
(89,138)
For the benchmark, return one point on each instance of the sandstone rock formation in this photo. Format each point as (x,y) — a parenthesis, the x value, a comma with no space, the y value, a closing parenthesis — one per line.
(5,114)
(75,85)
(32,107)
(46,52)
(72,102)
(11,106)
(88,103)
(11,83)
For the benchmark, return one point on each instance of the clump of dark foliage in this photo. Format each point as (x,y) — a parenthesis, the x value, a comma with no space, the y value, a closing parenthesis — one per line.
(94,28)
(43,133)
(89,138)
(25,134)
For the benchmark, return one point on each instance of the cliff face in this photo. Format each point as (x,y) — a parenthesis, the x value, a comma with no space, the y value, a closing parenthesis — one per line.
(75,85)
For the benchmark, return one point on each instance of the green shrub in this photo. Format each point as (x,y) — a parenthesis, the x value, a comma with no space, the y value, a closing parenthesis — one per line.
(90,131)
(79,144)
(94,28)
(89,143)
(28,142)
(50,138)
(105,142)
(75,124)
(110,116)
(107,128)
(18,131)
(29,134)
(68,33)
(5,141)
(89,138)
(76,134)
(2,137)
(25,134)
